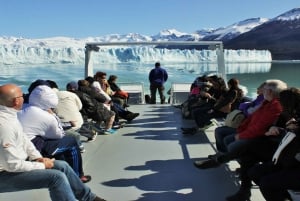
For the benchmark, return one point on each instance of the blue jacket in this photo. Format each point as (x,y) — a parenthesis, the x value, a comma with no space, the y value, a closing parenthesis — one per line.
(158,76)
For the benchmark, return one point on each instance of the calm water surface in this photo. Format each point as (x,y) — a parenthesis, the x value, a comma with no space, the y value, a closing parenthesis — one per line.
(250,75)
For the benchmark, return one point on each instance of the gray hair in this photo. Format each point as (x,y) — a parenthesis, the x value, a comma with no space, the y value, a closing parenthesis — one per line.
(276,86)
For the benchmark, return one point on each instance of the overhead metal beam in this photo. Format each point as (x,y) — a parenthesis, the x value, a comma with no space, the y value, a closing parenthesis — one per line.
(95,46)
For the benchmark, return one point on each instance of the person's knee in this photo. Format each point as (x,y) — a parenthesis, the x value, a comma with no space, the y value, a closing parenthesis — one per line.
(61,165)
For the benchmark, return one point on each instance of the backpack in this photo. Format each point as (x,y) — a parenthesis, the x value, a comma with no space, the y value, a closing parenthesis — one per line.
(234,118)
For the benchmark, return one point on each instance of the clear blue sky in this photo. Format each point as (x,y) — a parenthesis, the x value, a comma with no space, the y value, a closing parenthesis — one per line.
(84,18)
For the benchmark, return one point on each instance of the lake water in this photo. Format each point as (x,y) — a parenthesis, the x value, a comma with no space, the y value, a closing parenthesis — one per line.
(250,75)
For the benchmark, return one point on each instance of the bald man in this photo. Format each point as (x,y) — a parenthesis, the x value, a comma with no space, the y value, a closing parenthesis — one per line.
(22,167)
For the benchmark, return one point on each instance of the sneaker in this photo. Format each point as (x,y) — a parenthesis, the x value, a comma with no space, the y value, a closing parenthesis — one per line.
(241,195)
(207,163)
(97,128)
(92,137)
(82,149)
(109,131)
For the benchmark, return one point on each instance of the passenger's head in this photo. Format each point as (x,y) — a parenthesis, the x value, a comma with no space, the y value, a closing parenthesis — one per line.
(72,86)
(272,89)
(37,83)
(43,97)
(157,64)
(90,79)
(11,96)
(260,88)
(52,84)
(112,78)
(233,83)
(290,100)
(83,83)
(100,75)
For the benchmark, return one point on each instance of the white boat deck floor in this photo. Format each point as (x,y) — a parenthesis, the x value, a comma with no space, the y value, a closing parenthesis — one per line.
(150,160)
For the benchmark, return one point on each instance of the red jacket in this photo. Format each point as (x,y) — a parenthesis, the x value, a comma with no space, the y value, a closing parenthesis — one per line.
(257,124)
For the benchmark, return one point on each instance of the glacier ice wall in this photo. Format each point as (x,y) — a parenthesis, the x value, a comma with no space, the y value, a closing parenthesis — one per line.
(42,53)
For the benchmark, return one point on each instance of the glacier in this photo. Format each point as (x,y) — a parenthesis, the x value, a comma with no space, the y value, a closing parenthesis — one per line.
(70,55)
(63,50)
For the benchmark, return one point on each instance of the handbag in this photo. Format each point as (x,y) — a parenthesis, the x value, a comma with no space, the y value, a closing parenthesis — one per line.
(234,118)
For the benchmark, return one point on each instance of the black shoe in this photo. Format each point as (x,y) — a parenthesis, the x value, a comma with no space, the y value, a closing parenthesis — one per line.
(241,195)
(132,116)
(189,131)
(126,105)
(214,156)
(85,178)
(206,164)
(188,128)
(98,199)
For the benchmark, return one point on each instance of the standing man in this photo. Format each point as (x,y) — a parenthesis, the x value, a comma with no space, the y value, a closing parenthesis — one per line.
(157,77)
(21,165)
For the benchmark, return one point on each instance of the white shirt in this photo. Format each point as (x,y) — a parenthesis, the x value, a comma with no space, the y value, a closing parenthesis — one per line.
(15,147)
(38,122)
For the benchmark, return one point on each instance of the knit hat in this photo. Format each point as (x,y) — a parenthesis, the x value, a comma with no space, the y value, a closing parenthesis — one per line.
(43,97)
(72,85)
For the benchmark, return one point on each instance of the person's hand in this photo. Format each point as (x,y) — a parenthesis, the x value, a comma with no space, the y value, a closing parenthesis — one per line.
(236,137)
(48,162)
(72,123)
(210,111)
(273,131)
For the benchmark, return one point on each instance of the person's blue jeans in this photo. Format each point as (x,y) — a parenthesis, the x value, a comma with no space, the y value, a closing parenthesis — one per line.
(61,180)
(223,136)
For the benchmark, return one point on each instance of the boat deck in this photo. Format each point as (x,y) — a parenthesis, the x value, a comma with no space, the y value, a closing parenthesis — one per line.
(150,160)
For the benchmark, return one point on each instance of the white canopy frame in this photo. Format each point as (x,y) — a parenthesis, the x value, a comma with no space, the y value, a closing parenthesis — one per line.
(218,45)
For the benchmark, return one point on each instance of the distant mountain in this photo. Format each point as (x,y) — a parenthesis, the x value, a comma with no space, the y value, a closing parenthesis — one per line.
(280,35)
(234,30)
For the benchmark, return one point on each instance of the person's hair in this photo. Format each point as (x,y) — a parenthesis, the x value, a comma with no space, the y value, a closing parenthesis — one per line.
(99,74)
(36,83)
(52,84)
(290,100)
(276,86)
(157,64)
(112,78)
(83,83)
(234,83)
(89,79)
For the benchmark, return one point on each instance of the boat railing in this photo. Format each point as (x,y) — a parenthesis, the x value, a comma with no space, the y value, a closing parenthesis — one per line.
(135,91)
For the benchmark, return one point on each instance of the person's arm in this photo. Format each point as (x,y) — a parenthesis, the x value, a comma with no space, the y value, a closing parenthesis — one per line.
(54,129)
(261,120)
(13,152)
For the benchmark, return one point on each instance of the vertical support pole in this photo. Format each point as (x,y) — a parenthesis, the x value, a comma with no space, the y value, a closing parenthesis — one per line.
(221,61)
(88,62)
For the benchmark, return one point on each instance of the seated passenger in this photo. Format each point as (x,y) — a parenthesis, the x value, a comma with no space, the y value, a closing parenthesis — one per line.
(280,172)
(23,167)
(255,126)
(44,129)
(228,101)
(91,108)
(68,110)
(97,84)
(119,93)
